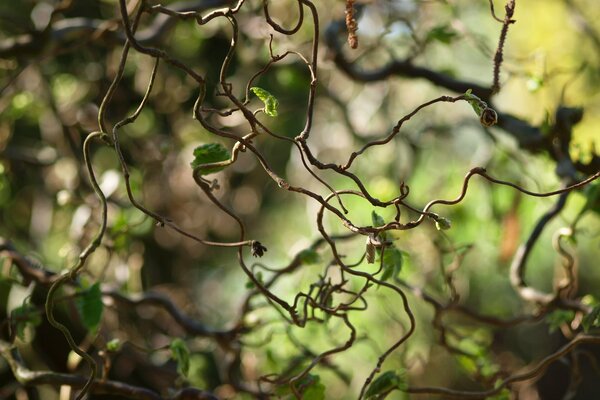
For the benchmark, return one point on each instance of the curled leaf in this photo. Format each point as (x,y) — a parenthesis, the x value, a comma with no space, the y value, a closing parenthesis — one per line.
(487,116)
(271,103)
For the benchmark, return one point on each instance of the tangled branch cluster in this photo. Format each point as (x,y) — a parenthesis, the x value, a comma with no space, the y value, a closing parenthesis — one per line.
(344,286)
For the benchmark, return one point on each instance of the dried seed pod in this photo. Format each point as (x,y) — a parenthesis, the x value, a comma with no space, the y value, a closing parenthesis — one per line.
(258,250)
(370,252)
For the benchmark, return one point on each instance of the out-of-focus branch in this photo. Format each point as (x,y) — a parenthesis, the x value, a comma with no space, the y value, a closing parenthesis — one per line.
(532,373)
(27,377)
(584,23)
(517,268)
(82,29)
(36,273)
(528,137)
(402,68)
(190,325)
(27,268)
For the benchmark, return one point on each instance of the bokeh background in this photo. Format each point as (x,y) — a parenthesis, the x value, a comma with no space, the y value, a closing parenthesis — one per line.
(49,102)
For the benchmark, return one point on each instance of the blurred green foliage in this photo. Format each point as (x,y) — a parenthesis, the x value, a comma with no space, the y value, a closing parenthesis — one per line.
(49,102)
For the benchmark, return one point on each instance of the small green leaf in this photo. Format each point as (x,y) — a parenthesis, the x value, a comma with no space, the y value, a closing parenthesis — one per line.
(487,116)
(25,314)
(535,83)
(90,306)
(209,153)
(309,256)
(590,300)
(314,392)
(442,224)
(591,320)
(557,318)
(113,345)
(503,395)
(271,103)
(377,219)
(259,278)
(120,223)
(476,103)
(592,194)
(392,263)
(441,33)
(385,383)
(311,388)
(181,354)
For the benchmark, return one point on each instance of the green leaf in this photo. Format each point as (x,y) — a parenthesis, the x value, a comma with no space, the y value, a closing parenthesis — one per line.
(503,395)
(181,354)
(259,278)
(113,345)
(476,103)
(441,33)
(268,99)
(314,392)
(309,256)
(557,318)
(392,263)
(120,223)
(385,383)
(25,314)
(377,219)
(592,193)
(209,153)
(90,306)
(591,320)
(311,387)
